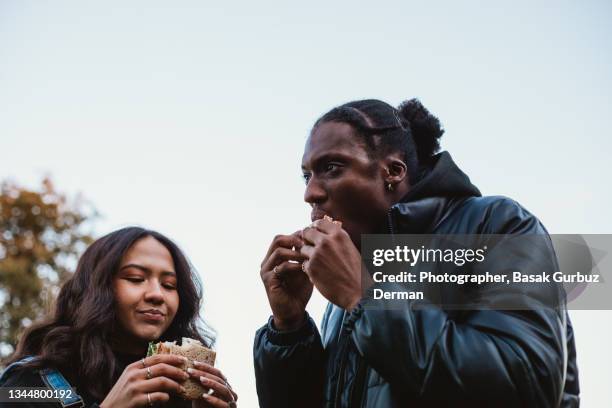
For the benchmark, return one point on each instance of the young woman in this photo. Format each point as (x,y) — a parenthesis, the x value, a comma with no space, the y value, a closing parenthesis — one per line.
(130,287)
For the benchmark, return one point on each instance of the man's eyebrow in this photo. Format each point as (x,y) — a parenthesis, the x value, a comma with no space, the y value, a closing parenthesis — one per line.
(327,156)
(145,269)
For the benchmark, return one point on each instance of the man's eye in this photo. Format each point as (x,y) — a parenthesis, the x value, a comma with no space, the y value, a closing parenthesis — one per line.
(306,177)
(331,167)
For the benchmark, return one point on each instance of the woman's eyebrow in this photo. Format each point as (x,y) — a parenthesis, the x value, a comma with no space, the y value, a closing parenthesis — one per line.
(145,269)
(136,266)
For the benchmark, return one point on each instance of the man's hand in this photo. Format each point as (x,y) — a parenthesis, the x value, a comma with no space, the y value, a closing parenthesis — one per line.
(287,287)
(334,263)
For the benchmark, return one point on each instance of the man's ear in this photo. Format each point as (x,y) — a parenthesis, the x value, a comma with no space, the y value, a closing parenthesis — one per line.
(395,169)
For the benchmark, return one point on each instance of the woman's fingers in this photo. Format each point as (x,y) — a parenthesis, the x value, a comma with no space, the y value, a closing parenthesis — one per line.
(217,375)
(209,369)
(220,389)
(160,384)
(197,374)
(164,370)
(151,398)
(213,401)
(171,359)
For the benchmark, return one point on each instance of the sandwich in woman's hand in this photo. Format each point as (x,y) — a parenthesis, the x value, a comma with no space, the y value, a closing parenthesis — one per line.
(192,350)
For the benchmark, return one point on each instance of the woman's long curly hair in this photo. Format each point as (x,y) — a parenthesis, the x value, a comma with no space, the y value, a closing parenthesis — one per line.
(77,339)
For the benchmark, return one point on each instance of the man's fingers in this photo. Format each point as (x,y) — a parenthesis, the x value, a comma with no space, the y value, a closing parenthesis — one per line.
(283,241)
(288,268)
(313,236)
(280,255)
(307,251)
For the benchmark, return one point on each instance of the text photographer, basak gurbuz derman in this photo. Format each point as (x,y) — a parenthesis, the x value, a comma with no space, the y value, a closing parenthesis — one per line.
(377,169)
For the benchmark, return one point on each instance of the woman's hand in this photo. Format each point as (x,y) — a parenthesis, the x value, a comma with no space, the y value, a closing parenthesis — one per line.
(287,286)
(144,385)
(221,396)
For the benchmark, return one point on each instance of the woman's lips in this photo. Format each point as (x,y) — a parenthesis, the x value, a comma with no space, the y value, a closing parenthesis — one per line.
(152,317)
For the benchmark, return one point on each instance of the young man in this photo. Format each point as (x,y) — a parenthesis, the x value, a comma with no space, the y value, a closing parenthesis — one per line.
(375,168)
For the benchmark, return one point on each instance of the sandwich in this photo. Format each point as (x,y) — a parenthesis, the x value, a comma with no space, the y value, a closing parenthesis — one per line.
(192,350)
(330,219)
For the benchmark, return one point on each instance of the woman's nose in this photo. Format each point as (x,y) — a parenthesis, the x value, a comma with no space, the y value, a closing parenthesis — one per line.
(154,292)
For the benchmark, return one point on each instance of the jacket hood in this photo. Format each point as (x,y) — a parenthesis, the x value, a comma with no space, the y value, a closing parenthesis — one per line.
(423,206)
(444,179)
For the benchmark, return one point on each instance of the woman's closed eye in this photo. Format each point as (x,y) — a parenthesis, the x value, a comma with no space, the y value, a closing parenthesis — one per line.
(169,285)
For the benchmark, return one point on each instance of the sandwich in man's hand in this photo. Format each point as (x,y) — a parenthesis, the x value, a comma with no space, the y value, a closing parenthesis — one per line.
(192,350)
(330,219)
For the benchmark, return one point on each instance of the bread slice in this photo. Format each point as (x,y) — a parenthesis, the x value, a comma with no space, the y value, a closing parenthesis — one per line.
(193,350)
(330,219)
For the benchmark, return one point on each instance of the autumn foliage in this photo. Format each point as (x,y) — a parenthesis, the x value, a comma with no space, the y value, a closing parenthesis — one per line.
(42,235)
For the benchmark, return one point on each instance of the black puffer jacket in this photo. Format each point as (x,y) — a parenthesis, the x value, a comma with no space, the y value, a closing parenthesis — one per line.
(412,358)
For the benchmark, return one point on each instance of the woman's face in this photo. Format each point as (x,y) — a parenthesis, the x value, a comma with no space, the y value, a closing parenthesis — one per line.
(146,294)
(343,182)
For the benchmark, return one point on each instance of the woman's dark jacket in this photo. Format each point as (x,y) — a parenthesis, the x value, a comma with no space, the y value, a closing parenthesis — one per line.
(403,357)
(23,376)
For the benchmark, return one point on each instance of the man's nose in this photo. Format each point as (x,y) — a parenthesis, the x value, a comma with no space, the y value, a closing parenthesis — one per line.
(315,193)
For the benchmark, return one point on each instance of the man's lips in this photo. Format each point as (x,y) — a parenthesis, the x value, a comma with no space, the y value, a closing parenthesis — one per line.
(318,214)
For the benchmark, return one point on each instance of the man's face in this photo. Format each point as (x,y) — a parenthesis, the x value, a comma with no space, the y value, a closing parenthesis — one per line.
(342,181)
(146,294)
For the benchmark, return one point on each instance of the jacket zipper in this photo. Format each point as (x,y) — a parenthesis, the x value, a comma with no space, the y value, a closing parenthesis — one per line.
(360,375)
(359,385)
(344,355)
(390,221)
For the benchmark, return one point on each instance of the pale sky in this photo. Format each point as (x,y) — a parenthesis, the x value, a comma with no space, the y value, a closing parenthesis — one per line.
(190,118)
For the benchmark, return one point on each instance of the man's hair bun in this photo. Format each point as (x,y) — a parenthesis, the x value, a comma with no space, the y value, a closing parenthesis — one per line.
(425,128)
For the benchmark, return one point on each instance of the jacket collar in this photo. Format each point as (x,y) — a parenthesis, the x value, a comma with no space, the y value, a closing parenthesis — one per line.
(423,207)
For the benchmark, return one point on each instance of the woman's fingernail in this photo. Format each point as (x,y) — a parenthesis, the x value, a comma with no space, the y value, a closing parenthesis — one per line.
(205,396)
(204,379)
(190,370)
(183,390)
